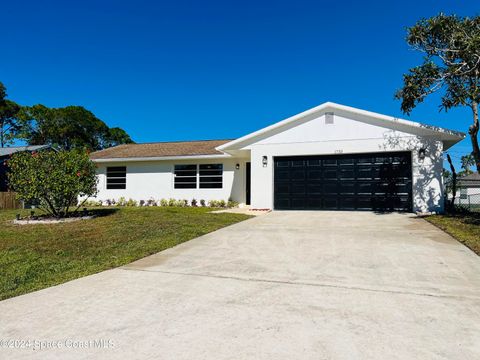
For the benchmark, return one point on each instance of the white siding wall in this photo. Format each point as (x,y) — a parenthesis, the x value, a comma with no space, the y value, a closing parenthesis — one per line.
(348,136)
(154,179)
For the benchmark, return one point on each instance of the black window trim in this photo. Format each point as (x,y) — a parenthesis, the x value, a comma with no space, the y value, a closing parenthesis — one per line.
(216,185)
(116,173)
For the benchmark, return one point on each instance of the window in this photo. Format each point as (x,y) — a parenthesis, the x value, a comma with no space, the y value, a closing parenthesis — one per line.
(185,177)
(117,177)
(463,193)
(211,176)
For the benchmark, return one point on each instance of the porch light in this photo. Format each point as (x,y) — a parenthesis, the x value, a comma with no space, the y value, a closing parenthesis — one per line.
(237,166)
(421,154)
(264,161)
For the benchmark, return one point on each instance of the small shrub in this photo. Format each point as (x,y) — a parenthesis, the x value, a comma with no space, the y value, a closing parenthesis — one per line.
(203,203)
(213,203)
(110,202)
(178,203)
(221,203)
(90,203)
(151,202)
(163,202)
(232,204)
(172,202)
(194,203)
(122,201)
(185,203)
(141,203)
(131,202)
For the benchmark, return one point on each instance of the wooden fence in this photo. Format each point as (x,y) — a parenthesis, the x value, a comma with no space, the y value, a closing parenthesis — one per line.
(8,201)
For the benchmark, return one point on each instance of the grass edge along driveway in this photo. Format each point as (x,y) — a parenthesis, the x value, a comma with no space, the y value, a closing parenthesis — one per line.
(33,257)
(465,228)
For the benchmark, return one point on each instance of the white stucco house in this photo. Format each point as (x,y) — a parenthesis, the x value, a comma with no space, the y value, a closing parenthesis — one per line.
(331,157)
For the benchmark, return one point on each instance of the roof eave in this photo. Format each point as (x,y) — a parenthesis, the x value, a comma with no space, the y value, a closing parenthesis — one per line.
(442,133)
(160,158)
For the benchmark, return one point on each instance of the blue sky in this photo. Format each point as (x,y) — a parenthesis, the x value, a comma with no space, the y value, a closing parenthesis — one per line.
(181,70)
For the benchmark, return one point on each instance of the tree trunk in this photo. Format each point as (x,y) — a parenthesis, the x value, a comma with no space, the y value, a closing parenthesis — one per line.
(473,131)
(454,182)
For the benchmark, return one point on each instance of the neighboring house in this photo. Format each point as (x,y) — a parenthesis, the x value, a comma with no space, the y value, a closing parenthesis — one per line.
(331,157)
(468,189)
(5,154)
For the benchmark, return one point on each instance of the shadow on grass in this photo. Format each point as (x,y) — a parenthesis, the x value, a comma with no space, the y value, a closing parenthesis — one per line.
(99,212)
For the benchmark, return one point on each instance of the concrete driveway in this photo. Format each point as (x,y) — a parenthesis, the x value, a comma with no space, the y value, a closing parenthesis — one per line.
(287,285)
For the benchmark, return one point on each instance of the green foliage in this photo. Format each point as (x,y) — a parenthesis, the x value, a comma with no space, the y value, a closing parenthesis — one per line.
(163,202)
(232,204)
(467,162)
(122,201)
(451,48)
(131,202)
(55,179)
(68,128)
(9,125)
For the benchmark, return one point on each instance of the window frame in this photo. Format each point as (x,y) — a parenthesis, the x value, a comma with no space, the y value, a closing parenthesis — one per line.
(107,177)
(198,176)
(210,175)
(175,176)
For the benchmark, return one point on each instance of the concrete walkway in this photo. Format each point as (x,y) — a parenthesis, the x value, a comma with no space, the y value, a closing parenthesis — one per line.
(287,285)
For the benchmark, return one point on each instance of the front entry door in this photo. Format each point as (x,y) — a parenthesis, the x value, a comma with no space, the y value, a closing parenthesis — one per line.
(248,183)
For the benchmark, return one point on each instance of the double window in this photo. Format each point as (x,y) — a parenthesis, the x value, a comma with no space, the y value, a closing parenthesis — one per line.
(117,177)
(203,176)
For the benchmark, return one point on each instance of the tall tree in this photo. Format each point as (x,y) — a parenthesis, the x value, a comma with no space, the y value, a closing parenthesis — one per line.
(467,162)
(451,48)
(116,136)
(9,125)
(68,128)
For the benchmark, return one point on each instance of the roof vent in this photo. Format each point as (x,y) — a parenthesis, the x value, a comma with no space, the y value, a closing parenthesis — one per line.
(329,118)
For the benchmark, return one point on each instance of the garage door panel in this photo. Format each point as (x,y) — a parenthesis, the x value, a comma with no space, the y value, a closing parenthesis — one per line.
(347,202)
(330,188)
(345,174)
(314,174)
(346,187)
(315,189)
(282,175)
(297,175)
(282,189)
(349,182)
(330,174)
(298,189)
(330,203)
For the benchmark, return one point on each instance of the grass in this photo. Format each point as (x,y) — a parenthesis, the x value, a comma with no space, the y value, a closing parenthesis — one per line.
(463,227)
(34,257)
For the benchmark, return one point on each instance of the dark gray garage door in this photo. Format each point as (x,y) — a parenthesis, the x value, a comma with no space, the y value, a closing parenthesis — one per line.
(381,182)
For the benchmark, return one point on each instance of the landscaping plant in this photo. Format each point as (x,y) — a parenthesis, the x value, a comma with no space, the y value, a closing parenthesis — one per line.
(53,179)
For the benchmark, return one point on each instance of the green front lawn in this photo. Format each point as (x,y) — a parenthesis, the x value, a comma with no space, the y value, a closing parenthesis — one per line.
(33,257)
(464,228)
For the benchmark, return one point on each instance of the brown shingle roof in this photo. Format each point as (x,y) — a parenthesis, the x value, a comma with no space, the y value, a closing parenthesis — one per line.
(160,149)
